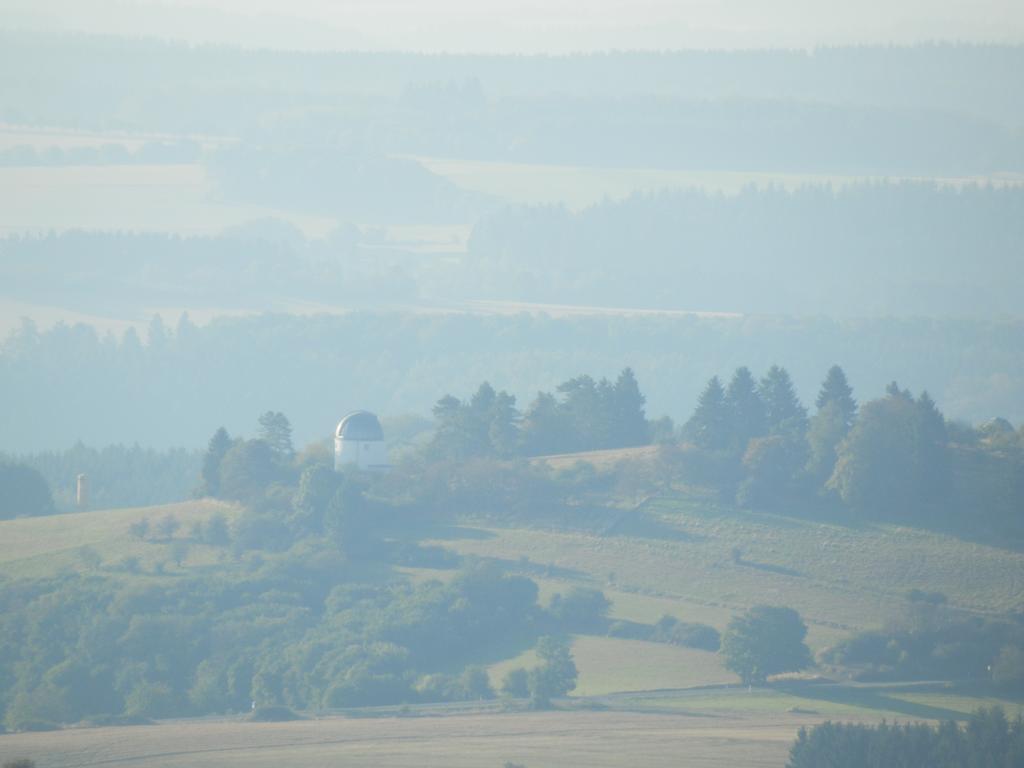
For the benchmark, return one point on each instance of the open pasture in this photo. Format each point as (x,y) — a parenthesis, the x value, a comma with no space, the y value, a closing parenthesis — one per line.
(127,198)
(536,740)
(41,546)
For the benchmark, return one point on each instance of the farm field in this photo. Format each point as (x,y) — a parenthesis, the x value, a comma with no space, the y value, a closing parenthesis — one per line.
(127,198)
(611,665)
(710,727)
(578,187)
(43,137)
(536,740)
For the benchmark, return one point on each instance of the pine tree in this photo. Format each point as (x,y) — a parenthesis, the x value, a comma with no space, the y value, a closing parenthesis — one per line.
(502,427)
(219,445)
(783,411)
(746,409)
(931,458)
(708,427)
(837,391)
(629,424)
(586,407)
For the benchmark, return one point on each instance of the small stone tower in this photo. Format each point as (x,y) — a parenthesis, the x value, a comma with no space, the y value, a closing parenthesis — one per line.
(82,491)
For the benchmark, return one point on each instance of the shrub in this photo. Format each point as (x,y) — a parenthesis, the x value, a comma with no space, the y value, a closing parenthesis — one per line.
(687,634)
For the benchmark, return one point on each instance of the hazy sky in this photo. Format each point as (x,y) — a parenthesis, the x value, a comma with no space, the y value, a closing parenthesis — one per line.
(532,26)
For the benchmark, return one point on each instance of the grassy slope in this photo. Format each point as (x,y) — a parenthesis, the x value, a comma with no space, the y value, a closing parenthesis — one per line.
(676,557)
(40,546)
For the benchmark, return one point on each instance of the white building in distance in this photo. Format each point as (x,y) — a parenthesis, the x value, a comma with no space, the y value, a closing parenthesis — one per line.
(359,441)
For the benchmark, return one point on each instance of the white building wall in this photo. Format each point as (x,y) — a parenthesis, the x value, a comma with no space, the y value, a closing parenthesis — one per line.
(365,454)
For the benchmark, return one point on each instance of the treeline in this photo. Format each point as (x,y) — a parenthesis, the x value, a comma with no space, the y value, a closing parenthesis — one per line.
(141,386)
(117,476)
(988,739)
(892,249)
(262,264)
(859,250)
(895,459)
(608,108)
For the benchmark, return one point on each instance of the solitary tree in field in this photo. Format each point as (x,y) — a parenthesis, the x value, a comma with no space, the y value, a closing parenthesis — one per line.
(764,641)
(556,676)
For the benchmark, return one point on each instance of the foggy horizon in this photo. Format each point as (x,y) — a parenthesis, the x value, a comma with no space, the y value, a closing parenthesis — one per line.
(521,27)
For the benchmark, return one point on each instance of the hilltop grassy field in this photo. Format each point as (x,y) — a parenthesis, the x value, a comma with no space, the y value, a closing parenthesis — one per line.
(43,546)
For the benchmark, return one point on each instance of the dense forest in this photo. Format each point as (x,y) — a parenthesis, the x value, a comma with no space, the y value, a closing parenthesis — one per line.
(318,368)
(859,251)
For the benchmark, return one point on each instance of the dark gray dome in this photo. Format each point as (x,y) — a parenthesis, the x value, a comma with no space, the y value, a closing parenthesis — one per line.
(359,425)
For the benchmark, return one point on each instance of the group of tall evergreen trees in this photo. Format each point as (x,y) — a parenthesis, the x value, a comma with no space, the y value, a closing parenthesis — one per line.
(889,458)
(895,458)
(584,415)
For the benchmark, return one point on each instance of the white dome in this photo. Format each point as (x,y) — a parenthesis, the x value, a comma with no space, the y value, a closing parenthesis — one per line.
(359,425)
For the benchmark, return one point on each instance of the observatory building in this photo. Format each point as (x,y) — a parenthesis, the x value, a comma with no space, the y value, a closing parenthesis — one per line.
(359,440)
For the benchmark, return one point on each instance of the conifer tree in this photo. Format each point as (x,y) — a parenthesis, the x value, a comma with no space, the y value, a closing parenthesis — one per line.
(708,427)
(783,411)
(629,424)
(746,409)
(837,391)
(219,445)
